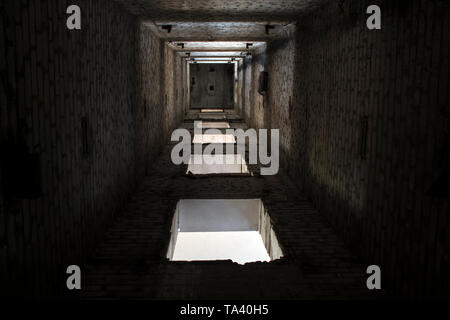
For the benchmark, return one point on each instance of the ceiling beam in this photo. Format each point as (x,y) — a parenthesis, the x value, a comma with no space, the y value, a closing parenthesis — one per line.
(215,57)
(208,17)
(219,39)
(212,50)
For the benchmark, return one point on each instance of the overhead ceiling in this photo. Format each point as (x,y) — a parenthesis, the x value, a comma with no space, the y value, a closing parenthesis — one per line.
(216,31)
(161,11)
(213,21)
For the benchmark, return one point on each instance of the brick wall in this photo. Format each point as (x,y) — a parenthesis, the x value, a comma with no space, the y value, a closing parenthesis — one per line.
(239,93)
(247,87)
(185,86)
(398,78)
(151,82)
(53,81)
(274,108)
(280,66)
(173,100)
(4,115)
(162,96)
(178,84)
(325,77)
(257,112)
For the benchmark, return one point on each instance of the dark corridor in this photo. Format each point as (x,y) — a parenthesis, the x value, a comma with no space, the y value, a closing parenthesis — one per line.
(342,107)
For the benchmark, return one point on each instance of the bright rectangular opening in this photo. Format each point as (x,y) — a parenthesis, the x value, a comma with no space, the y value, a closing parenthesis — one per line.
(214,138)
(217,164)
(212,110)
(213,125)
(223,229)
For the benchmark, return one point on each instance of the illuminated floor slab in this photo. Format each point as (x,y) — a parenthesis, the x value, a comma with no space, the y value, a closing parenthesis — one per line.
(214,125)
(212,110)
(241,247)
(214,138)
(217,164)
(211,116)
(222,229)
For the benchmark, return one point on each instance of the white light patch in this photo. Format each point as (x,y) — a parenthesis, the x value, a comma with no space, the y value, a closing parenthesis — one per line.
(217,45)
(214,138)
(222,229)
(217,164)
(240,247)
(213,125)
(212,110)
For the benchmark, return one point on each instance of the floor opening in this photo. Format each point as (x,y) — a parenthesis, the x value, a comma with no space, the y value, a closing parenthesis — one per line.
(212,110)
(213,125)
(223,229)
(214,138)
(217,164)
